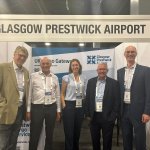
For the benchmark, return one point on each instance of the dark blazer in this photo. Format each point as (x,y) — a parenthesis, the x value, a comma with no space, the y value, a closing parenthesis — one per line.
(140,91)
(111,99)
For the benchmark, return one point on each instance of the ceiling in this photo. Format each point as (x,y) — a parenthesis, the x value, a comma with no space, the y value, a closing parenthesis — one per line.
(66,7)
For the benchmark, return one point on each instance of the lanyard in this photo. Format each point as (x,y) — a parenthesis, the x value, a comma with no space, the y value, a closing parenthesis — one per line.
(80,85)
(128,77)
(44,83)
(20,75)
(101,91)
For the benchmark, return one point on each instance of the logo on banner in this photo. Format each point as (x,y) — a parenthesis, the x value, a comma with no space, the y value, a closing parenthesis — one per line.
(95,59)
(91,60)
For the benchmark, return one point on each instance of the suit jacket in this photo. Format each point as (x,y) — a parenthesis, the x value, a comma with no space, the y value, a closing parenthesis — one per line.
(9,94)
(140,91)
(111,99)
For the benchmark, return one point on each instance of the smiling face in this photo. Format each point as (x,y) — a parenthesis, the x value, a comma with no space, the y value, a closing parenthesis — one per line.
(75,67)
(45,64)
(102,71)
(130,54)
(19,58)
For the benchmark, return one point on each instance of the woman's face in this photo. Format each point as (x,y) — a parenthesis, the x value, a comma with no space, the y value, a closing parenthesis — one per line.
(75,67)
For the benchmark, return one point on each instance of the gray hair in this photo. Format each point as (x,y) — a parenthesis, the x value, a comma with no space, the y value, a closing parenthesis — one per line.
(21,49)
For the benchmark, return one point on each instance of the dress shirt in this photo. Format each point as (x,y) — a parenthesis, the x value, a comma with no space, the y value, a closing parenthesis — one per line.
(39,83)
(100,88)
(20,81)
(129,76)
(71,87)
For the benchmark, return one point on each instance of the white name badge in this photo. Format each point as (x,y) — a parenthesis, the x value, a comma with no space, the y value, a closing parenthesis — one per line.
(78,101)
(47,97)
(127,97)
(99,106)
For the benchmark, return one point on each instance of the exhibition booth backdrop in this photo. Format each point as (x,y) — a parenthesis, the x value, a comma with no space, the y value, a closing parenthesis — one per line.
(89,58)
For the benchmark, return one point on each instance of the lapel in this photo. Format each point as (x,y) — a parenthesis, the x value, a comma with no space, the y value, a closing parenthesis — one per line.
(94,85)
(135,74)
(106,87)
(122,75)
(13,75)
(25,76)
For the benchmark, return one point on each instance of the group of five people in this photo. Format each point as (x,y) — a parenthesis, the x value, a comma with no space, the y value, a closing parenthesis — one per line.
(100,99)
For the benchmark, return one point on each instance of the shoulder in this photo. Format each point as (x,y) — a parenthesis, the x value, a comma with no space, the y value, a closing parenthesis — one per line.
(5,65)
(66,78)
(142,67)
(92,79)
(112,80)
(120,70)
(34,74)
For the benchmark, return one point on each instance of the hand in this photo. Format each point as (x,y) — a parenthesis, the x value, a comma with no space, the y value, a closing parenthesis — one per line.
(28,116)
(145,118)
(63,105)
(58,116)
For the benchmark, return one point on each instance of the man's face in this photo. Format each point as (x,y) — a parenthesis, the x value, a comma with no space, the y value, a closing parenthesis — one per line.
(45,65)
(130,53)
(102,71)
(19,58)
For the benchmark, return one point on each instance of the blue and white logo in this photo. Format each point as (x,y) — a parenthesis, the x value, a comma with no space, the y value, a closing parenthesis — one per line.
(95,59)
(91,60)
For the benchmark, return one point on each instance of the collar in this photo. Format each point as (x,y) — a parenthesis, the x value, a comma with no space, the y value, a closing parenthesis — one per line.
(132,67)
(102,81)
(16,67)
(41,73)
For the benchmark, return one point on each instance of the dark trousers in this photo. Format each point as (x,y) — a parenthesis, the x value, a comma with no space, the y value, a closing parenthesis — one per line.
(132,127)
(72,120)
(97,125)
(40,112)
(9,133)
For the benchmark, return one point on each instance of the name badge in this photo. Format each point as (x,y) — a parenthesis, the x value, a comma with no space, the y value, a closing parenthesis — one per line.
(127,97)
(47,97)
(78,101)
(99,104)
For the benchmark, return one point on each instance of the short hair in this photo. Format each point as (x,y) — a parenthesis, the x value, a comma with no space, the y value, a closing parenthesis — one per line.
(21,49)
(50,61)
(103,63)
(80,66)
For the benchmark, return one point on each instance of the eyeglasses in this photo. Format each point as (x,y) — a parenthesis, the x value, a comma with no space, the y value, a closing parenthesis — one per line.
(22,55)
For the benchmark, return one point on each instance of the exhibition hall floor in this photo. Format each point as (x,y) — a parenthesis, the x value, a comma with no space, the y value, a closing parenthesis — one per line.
(85,139)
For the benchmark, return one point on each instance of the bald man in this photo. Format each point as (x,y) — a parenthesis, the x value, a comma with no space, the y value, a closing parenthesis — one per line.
(134,81)
(43,104)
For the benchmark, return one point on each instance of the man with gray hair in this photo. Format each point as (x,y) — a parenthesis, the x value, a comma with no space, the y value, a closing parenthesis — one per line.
(13,94)
(43,104)
(102,107)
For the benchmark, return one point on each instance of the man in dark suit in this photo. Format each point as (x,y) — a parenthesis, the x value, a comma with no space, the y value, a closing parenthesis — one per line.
(102,107)
(134,81)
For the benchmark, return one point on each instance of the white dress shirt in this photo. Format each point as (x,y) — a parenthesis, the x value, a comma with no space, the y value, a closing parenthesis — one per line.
(41,84)
(20,82)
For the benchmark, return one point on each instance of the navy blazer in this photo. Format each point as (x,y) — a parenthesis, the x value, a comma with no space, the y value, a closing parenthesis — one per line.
(111,99)
(140,91)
